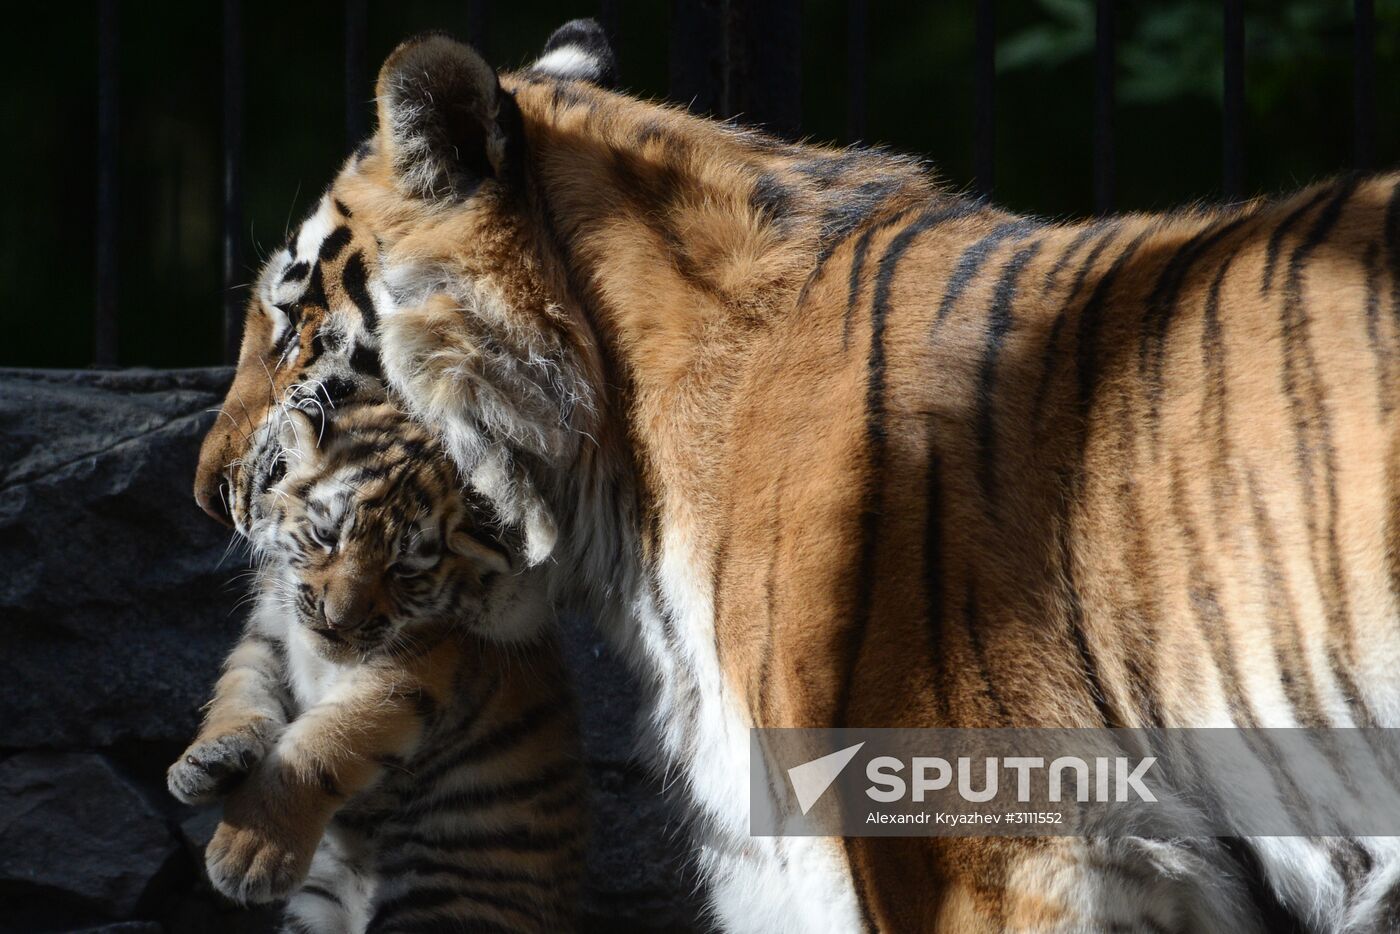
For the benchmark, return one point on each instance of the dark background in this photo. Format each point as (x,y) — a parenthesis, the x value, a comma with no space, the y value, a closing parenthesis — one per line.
(919,98)
(118,597)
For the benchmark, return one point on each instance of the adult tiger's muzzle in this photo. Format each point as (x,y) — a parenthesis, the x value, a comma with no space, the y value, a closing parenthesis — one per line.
(211,482)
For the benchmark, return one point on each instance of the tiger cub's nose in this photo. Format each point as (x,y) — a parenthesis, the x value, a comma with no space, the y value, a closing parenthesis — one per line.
(345,608)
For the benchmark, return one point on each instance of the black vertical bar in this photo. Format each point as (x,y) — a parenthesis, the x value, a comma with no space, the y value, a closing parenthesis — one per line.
(233,177)
(983,98)
(764,80)
(1233,180)
(698,55)
(479,25)
(356,94)
(105,320)
(857,58)
(1105,59)
(1365,91)
(609,17)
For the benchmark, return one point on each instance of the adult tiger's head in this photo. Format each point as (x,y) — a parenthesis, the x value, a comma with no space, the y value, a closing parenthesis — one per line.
(430,218)
(308,345)
(538,261)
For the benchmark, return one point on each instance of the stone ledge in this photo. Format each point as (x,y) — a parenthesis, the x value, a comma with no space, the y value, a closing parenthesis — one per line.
(116,608)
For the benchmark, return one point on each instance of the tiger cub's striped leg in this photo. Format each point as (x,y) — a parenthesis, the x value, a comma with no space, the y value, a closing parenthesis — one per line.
(275,819)
(241,722)
(334,899)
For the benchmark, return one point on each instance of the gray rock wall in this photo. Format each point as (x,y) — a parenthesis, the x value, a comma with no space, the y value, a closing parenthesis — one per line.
(117,603)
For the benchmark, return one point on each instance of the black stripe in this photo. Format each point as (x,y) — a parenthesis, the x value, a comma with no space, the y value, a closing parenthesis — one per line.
(518,838)
(1392,252)
(1052,356)
(482,797)
(1284,226)
(1087,373)
(365,361)
(314,295)
(1312,428)
(853,288)
(293,925)
(354,278)
(972,259)
(1204,599)
(335,241)
(875,435)
(1161,309)
(327,781)
(313,353)
(367,822)
(1380,354)
(998,326)
(1093,681)
(425,706)
(825,252)
(1082,274)
(770,598)
(1392,249)
(502,739)
(1091,322)
(311,888)
(933,573)
(426,866)
(1274,916)
(979,652)
(284,343)
(1283,622)
(1052,275)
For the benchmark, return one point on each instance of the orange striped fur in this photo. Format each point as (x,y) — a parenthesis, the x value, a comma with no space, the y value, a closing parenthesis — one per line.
(825,444)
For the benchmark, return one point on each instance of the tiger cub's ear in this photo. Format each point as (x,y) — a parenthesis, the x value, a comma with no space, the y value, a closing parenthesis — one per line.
(488,559)
(579,51)
(439,104)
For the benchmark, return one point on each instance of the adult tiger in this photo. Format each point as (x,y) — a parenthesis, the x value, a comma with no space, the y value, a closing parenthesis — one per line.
(822,443)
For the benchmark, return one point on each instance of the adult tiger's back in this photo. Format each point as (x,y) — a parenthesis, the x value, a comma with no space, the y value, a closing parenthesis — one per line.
(823,444)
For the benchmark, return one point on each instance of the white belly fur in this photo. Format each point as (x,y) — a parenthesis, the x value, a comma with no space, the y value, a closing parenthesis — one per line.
(755,884)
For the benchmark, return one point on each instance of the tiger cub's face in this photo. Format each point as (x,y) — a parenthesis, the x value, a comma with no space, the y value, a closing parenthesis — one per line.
(368,539)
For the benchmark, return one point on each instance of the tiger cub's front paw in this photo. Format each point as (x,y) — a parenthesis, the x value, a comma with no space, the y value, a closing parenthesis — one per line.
(210,768)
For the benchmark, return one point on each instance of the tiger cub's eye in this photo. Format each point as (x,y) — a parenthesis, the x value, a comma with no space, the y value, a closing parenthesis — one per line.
(321,537)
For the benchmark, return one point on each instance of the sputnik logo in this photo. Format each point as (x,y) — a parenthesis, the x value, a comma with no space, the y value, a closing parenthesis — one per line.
(810,780)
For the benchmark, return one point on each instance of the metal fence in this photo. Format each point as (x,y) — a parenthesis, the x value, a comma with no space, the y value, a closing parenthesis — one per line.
(727,57)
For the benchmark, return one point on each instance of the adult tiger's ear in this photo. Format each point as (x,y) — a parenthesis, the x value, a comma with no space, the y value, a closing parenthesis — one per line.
(439,117)
(579,51)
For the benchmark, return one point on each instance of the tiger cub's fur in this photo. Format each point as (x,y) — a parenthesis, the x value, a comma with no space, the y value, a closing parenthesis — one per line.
(386,767)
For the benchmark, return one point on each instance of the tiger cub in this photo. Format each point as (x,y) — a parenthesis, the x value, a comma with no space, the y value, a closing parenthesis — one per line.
(382,764)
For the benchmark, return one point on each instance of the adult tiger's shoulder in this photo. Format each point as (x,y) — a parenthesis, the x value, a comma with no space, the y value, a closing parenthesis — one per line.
(822,443)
